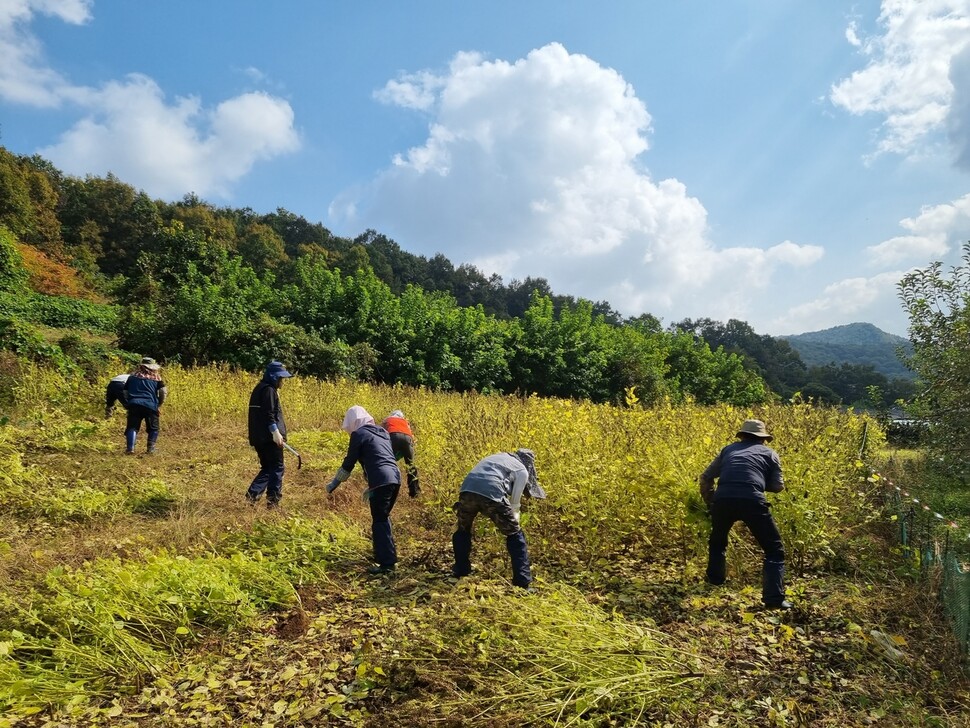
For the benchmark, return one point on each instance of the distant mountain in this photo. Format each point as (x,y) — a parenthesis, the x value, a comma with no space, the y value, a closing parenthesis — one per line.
(858,343)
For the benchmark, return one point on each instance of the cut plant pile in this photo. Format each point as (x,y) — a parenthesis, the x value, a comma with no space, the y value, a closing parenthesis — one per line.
(145,591)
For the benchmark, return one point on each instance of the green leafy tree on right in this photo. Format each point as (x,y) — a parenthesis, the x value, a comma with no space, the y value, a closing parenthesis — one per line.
(938,305)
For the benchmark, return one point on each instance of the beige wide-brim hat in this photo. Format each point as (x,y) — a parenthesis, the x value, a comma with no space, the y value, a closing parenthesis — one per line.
(756,428)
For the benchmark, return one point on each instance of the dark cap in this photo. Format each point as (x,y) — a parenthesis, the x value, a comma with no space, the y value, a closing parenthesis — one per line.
(276,370)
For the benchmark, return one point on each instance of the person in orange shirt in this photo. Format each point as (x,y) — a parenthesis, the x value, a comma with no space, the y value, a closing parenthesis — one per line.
(402,442)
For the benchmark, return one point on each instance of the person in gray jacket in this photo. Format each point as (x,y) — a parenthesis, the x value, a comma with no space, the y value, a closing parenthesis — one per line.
(495,487)
(744,471)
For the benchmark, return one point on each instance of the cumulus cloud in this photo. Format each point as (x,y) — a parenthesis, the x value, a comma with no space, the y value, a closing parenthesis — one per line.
(171,149)
(848,299)
(24,78)
(907,78)
(532,168)
(128,127)
(933,233)
(936,233)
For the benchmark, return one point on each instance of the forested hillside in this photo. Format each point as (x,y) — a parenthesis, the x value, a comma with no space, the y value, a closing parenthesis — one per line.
(193,283)
(859,344)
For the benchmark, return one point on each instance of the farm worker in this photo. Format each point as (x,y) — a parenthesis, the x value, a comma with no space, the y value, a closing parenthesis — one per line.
(402,442)
(370,445)
(744,471)
(267,433)
(144,392)
(115,392)
(495,487)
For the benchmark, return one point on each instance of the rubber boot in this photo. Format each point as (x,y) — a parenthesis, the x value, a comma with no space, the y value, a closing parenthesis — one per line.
(152,439)
(519,551)
(130,436)
(773,583)
(461,544)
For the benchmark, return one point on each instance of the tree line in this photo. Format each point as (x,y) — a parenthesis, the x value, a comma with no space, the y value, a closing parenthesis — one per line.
(197,284)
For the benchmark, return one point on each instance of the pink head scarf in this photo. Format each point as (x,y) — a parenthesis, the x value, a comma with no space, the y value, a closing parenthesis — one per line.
(355,418)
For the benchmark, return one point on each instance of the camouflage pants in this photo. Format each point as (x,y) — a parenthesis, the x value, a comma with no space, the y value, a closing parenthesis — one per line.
(469,505)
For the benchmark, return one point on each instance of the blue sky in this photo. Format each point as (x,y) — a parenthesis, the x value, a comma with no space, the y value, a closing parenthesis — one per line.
(775,161)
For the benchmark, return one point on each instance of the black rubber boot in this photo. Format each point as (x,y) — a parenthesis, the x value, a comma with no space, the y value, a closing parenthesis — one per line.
(773,584)
(461,544)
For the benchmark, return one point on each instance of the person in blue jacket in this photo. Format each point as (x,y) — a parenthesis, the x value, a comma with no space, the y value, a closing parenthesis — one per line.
(370,445)
(744,471)
(267,433)
(144,393)
(495,487)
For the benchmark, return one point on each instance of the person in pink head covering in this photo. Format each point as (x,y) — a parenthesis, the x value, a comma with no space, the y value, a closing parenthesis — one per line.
(370,445)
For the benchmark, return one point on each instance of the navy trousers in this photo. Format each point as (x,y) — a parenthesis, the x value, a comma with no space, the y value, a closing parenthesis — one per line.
(756,516)
(269,479)
(381,501)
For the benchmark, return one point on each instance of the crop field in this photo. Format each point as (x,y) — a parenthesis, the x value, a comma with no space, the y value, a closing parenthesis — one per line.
(146,591)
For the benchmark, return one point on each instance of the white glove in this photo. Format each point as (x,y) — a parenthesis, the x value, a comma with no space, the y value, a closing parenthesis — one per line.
(278,438)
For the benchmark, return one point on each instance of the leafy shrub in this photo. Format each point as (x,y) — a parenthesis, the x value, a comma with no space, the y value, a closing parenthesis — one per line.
(23,339)
(13,274)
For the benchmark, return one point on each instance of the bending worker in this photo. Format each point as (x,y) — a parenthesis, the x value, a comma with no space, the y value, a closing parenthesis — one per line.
(495,487)
(745,470)
(370,445)
(402,442)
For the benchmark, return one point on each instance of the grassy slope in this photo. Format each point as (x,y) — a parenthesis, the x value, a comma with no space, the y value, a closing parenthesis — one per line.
(407,650)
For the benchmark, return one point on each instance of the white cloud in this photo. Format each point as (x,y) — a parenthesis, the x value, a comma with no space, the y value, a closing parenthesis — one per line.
(531,168)
(129,128)
(852,35)
(907,78)
(958,119)
(24,79)
(170,149)
(932,234)
(857,299)
(411,91)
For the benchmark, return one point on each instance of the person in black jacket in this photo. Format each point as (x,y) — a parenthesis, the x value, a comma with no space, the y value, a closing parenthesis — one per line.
(370,445)
(267,433)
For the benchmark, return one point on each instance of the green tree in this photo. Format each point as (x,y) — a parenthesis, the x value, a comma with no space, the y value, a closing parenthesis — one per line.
(261,247)
(108,220)
(712,376)
(938,305)
(29,200)
(773,359)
